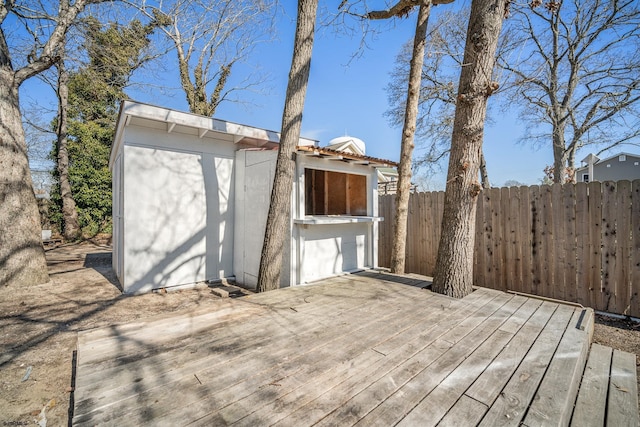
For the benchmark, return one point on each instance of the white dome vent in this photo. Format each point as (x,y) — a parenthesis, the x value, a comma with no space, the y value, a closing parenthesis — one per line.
(348,144)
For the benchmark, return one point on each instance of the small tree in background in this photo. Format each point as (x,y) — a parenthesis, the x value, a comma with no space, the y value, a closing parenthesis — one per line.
(94,91)
(211,38)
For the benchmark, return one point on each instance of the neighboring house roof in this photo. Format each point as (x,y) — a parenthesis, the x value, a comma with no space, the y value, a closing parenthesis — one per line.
(387,174)
(599,160)
(613,168)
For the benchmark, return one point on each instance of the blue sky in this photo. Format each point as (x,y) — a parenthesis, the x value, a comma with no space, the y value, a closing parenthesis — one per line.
(347,95)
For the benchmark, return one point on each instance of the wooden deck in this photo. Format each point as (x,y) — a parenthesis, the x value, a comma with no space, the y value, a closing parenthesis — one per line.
(365,349)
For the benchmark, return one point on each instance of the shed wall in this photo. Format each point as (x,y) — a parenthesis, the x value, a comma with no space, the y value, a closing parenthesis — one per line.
(328,250)
(178,210)
(254,180)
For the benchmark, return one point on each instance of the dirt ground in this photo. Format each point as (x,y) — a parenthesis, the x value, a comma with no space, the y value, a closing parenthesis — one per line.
(39,325)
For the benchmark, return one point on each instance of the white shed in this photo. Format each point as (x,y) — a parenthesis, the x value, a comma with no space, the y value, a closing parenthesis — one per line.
(191,195)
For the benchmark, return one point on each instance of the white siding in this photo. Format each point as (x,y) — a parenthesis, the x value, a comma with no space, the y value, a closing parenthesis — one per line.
(117,219)
(254,179)
(333,249)
(179,205)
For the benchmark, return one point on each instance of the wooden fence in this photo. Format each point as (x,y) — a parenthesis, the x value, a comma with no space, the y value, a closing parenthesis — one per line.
(575,242)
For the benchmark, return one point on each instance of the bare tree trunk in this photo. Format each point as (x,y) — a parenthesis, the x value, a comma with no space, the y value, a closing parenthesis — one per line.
(484,175)
(71,228)
(22,260)
(558,154)
(398,248)
(278,219)
(454,266)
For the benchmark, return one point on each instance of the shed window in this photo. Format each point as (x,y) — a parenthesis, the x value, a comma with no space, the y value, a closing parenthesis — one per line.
(622,158)
(585,177)
(335,193)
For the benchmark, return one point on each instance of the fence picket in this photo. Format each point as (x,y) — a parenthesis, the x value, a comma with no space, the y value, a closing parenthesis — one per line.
(556,283)
(575,242)
(623,243)
(595,235)
(583,245)
(479,255)
(609,248)
(525,239)
(514,248)
(569,238)
(635,252)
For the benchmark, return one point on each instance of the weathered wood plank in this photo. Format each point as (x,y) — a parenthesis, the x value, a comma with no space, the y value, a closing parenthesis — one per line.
(515,244)
(609,246)
(470,303)
(293,341)
(490,383)
(355,397)
(512,403)
(635,252)
(553,402)
(369,348)
(412,390)
(570,243)
(547,255)
(107,350)
(496,243)
(508,277)
(438,218)
(220,310)
(622,404)
(595,223)
(412,239)
(583,246)
(525,243)
(537,238)
(436,404)
(466,411)
(264,406)
(340,403)
(255,333)
(592,397)
(479,251)
(622,276)
(557,243)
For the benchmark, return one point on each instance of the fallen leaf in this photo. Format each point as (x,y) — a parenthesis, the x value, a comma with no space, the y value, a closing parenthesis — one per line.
(622,389)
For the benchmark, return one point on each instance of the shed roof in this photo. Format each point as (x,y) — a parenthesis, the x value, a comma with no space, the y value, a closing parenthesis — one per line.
(175,121)
(206,126)
(345,156)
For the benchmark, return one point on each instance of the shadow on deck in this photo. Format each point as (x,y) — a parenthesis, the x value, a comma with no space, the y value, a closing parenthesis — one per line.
(362,348)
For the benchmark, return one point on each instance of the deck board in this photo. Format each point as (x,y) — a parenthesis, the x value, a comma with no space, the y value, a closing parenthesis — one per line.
(592,398)
(622,411)
(367,349)
(553,402)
